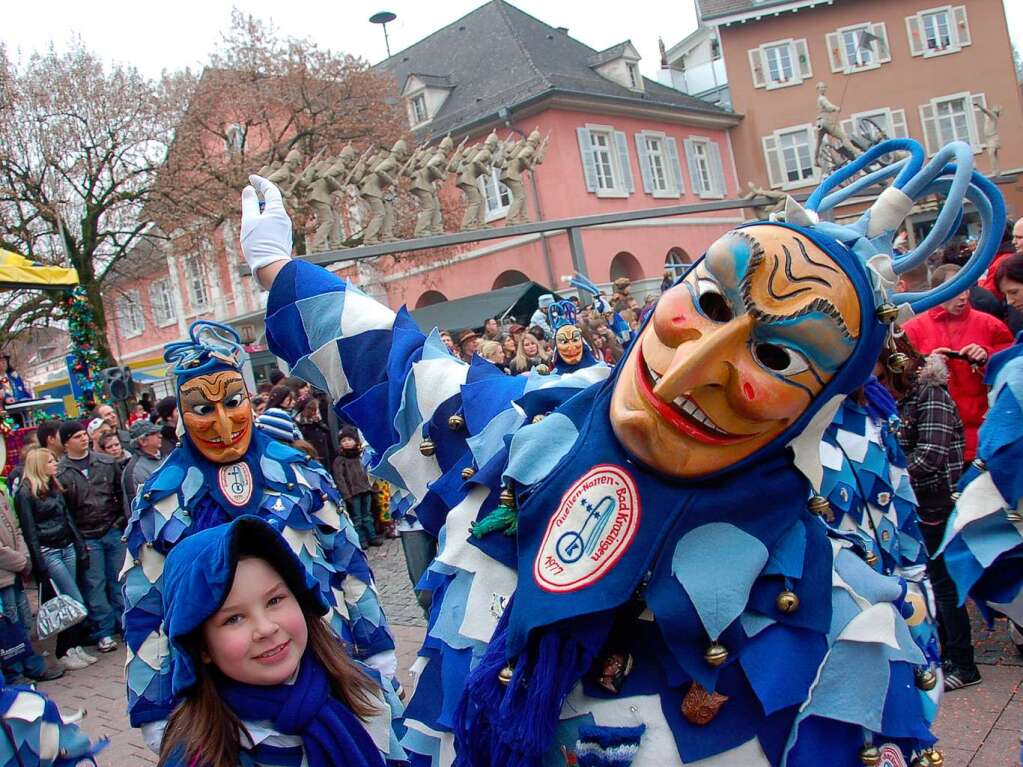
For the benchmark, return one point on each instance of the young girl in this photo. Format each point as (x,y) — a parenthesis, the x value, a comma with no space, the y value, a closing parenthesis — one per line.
(353,483)
(264,680)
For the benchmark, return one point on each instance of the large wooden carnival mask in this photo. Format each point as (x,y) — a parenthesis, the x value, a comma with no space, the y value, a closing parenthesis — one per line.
(217,414)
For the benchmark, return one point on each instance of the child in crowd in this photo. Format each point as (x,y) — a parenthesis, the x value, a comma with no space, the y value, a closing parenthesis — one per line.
(353,483)
(264,680)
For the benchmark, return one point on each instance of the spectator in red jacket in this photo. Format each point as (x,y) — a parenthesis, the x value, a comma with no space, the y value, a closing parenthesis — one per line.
(1009,247)
(967,337)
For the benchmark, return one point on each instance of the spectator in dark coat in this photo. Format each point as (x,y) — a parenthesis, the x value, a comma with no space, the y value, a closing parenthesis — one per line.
(316,432)
(167,420)
(353,483)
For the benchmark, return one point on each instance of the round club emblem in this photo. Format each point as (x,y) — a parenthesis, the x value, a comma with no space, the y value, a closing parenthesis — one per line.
(591,530)
(236,483)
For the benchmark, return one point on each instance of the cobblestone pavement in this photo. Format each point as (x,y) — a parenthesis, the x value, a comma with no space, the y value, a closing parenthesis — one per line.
(978,726)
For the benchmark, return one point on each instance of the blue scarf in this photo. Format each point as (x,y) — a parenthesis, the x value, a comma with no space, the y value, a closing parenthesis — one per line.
(331,734)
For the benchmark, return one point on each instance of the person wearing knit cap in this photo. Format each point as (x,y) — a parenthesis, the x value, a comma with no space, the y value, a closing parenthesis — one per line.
(167,418)
(226,467)
(278,424)
(354,485)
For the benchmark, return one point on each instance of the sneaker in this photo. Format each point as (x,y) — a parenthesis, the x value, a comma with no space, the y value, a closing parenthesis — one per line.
(376,542)
(51,673)
(73,662)
(81,653)
(957,678)
(106,644)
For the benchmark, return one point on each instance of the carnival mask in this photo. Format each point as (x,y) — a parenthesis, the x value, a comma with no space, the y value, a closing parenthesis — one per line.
(735,353)
(217,414)
(569,341)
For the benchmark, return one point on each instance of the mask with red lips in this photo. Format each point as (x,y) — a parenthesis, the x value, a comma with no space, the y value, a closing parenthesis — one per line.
(218,415)
(735,353)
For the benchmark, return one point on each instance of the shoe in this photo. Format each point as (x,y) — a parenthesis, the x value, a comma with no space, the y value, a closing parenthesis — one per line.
(957,678)
(81,653)
(72,662)
(376,542)
(363,544)
(106,644)
(51,673)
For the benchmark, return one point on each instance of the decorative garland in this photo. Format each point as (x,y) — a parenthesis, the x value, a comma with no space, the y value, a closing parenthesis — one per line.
(83,335)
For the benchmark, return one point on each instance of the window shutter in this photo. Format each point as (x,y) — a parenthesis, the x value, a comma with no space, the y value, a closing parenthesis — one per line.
(961,24)
(644,163)
(802,59)
(756,65)
(916,36)
(978,99)
(836,54)
(694,168)
(623,161)
(884,53)
(931,138)
(586,153)
(671,149)
(899,124)
(717,172)
(775,176)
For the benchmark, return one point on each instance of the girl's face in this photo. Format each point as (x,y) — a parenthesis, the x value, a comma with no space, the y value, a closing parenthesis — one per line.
(509,346)
(51,466)
(530,346)
(260,634)
(1013,292)
(347,443)
(287,403)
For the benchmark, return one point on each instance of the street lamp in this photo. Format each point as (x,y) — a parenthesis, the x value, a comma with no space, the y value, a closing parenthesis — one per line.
(383,18)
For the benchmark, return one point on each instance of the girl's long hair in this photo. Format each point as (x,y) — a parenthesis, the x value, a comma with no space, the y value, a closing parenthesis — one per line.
(204,732)
(39,482)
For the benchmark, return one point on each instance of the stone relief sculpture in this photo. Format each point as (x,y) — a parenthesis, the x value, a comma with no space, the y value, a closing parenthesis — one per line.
(992,139)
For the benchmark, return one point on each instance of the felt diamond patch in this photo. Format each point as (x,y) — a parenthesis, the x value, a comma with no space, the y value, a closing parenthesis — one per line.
(593,527)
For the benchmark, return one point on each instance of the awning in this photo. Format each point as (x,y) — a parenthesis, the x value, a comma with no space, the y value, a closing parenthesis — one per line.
(470,312)
(18,272)
(145,378)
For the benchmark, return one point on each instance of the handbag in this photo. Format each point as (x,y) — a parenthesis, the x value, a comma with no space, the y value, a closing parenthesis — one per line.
(14,645)
(58,614)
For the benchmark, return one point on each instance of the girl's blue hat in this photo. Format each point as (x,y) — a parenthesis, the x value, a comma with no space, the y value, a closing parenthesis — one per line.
(198,576)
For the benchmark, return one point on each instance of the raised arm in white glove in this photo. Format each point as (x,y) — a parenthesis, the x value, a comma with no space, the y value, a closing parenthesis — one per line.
(266,233)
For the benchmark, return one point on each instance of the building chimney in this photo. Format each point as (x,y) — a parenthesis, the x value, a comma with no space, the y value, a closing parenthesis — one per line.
(563,30)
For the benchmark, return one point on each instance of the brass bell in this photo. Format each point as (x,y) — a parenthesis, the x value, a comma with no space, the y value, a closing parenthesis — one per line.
(467,473)
(926,679)
(979,465)
(870,756)
(456,422)
(542,369)
(146,496)
(887,313)
(716,654)
(504,676)
(539,417)
(507,497)
(897,362)
(787,602)
(426,447)
(935,756)
(819,505)
(871,558)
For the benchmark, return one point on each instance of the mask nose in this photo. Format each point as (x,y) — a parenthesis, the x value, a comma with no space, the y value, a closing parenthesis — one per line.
(705,361)
(223,423)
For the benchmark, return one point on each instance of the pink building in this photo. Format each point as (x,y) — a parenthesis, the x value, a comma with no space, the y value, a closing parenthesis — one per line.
(618,142)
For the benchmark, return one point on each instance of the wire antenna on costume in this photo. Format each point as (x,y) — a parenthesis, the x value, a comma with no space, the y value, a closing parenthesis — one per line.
(210,345)
(560,314)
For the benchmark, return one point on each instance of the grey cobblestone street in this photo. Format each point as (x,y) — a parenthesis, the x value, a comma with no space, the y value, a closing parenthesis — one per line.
(978,726)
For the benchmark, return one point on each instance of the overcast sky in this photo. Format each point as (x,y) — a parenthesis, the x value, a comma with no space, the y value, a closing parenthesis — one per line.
(180,33)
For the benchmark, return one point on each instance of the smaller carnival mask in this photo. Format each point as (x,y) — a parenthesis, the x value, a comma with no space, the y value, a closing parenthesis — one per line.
(217,414)
(569,340)
(735,353)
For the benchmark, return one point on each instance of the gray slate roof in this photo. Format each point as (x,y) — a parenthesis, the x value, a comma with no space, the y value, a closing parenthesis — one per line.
(609,54)
(712,9)
(498,56)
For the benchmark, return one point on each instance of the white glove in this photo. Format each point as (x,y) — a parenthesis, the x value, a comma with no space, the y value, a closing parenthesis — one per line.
(385,662)
(266,234)
(152,734)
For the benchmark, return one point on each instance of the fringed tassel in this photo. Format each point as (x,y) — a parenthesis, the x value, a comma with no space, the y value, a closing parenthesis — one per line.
(607,746)
(514,725)
(503,519)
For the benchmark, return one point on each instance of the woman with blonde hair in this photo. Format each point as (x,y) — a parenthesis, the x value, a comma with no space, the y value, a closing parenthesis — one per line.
(528,355)
(55,546)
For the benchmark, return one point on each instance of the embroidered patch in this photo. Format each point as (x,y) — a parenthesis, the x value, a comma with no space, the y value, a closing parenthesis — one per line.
(591,530)
(236,483)
(891,756)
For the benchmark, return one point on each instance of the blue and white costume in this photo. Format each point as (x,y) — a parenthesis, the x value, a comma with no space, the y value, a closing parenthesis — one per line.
(189,493)
(585,605)
(36,734)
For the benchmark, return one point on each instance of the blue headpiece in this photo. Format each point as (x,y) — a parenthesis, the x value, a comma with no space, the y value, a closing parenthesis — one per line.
(212,346)
(579,282)
(949,173)
(560,314)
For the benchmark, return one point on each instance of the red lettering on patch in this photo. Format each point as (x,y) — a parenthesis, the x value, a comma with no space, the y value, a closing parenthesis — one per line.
(593,527)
